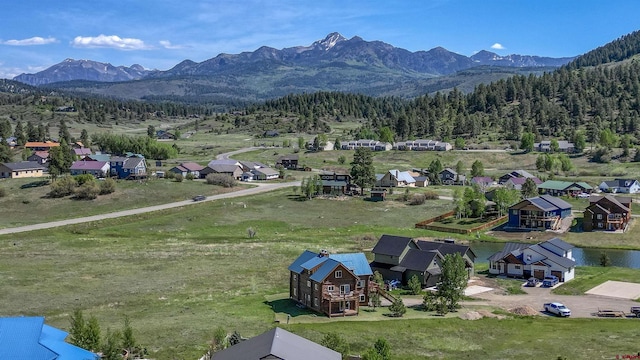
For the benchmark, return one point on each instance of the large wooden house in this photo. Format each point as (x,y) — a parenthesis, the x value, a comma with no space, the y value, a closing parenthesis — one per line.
(331,284)
(607,212)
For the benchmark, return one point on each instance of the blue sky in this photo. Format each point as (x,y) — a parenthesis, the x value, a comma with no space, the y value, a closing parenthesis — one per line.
(158,34)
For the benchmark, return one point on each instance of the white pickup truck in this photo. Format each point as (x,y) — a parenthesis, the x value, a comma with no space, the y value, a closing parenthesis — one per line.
(557,308)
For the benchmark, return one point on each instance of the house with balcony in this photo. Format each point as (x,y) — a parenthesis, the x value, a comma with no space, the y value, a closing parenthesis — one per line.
(331,284)
(622,186)
(551,257)
(544,212)
(423,145)
(607,213)
(515,174)
(133,167)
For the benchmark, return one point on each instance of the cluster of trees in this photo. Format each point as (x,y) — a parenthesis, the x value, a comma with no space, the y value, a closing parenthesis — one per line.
(120,144)
(311,186)
(469,203)
(554,163)
(83,187)
(453,281)
(381,350)
(87,335)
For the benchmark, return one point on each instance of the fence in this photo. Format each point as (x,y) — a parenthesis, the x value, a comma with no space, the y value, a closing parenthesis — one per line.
(427,224)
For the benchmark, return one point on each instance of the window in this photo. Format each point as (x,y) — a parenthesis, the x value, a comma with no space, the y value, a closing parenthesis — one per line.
(338,274)
(295,277)
(345,289)
(599,216)
(295,292)
(315,301)
(517,267)
(308,283)
(315,286)
(329,287)
(494,267)
(362,297)
(360,283)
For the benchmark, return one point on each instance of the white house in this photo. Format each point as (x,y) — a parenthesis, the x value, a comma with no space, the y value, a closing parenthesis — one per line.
(551,257)
(625,186)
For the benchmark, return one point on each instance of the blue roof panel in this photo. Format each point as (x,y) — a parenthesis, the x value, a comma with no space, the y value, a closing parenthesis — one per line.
(313,262)
(324,270)
(296,266)
(356,262)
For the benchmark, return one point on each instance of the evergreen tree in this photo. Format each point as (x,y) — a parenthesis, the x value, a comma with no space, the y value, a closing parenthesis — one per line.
(529,189)
(6,155)
(415,285)
(63,132)
(92,334)
(397,308)
(335,342)
(362,170)
(78,332)
(111,349)
(527,141)
(84,138)
(477,168)
(19,134)
(453,280)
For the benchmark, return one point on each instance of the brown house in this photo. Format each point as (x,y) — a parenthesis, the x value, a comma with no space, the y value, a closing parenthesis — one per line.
(334,285)
(288,161)
(607,213)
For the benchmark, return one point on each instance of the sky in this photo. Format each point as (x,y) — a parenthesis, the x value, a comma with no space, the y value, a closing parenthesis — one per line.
(158,34)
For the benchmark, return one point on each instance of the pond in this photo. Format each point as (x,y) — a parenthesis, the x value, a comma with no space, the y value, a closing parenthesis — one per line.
(583,256)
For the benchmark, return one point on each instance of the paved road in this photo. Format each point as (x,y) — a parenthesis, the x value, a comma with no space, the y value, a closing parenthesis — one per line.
(259,188)
(225,156)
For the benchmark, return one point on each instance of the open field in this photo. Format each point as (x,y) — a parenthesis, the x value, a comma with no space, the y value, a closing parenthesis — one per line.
(589,277)
(29,203)
(179,274)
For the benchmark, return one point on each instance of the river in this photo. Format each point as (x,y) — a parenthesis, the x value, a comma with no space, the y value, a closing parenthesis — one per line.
(583,256)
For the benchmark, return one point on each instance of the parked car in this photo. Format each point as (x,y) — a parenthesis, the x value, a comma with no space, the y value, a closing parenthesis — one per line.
(635,310)
(557,309)
(583,196)
(550,281)
(199,198)
(532,282)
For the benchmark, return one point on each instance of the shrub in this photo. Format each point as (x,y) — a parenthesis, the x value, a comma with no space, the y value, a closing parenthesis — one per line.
(108,186)
(88,191)
(84,178)
(221,180)
(190,176)
(397,308)
(431,195)
(63,187)
(602,156)
(417,199)
(3,192)
(178,178)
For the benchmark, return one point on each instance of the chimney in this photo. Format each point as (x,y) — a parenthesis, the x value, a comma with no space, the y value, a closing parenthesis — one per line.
(397,174)
(323,253)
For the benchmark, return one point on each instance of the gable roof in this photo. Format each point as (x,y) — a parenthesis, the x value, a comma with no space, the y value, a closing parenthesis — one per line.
(560,260)
(558,243)
(191,166)
(326,267)
(132,162)
(82,151)
(28,338)
(296,265)
(223,162)
(545,203)
(23,165)
(419,260)
(402,176)
(445,248)
(522,180)
(508,248)
(41,154)
(391,245)
(280,344)
(41,144)
(356,262)
(88,165)
(563,185)
(617,201)
(224,168)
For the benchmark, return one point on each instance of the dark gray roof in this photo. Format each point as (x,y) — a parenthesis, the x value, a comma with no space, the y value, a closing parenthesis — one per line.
(559,243)
(277,343)
(507,249)
(418,260)
(132,162)
(391,245)
(223,168)
(23,165)
(446,248)
(560,260)
(556,201)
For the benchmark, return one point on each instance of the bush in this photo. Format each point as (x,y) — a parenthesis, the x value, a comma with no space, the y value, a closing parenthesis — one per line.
(88,191)
(397,308)
(178,178)
(190,176)
(221,180)
(417,199)
(63,187)
(431,195)
(602,156)
(84,178)
(108,186)
(3,192)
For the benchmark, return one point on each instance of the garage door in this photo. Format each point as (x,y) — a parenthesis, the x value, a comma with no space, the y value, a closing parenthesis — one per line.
(538,274)
(558,274)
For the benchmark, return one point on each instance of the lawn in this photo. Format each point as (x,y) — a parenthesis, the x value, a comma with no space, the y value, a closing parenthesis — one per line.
(590,277)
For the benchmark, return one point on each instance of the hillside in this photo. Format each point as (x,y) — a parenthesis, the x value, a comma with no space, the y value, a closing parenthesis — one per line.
(332,64)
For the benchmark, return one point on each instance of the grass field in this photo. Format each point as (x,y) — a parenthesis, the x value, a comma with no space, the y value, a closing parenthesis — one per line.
(590,277)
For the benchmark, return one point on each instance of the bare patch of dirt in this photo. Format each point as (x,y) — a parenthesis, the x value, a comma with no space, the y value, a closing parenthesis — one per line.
(524,310)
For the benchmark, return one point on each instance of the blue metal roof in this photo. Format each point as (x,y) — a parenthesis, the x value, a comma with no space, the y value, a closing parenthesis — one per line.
(356,262)
(296,266)
(28,338)
(313,262)
(327,267)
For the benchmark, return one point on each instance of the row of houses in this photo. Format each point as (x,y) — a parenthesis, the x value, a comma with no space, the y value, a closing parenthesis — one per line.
(415,145)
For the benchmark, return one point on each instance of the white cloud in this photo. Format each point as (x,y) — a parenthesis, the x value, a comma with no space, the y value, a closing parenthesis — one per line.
(167,45)
(497,46)
(36,40)
(111,41)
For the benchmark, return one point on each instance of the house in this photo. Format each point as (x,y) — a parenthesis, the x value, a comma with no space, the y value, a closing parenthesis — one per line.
(551,257)
(265,173)
(545,146)
(187,168)
(97,157)
(274,344)
(395,178)
(224,162)
(79,153)
(40,157)
(271,133)
(400,258)
(421,181)
(23,169)
(337,184)
(128,167)
(374,145)
(232,170)
(482,182)
(98,169)
(449,176)
(165,135)
(607,212)
(331,284)
(423,145)
(564,188)
(515,174)
(40,146)
(12,141)
(544,212)
(517,182)
(378,194)
(625,186)
(288,161)
(30,338)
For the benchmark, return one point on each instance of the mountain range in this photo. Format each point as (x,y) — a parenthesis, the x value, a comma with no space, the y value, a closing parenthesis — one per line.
(331,64)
